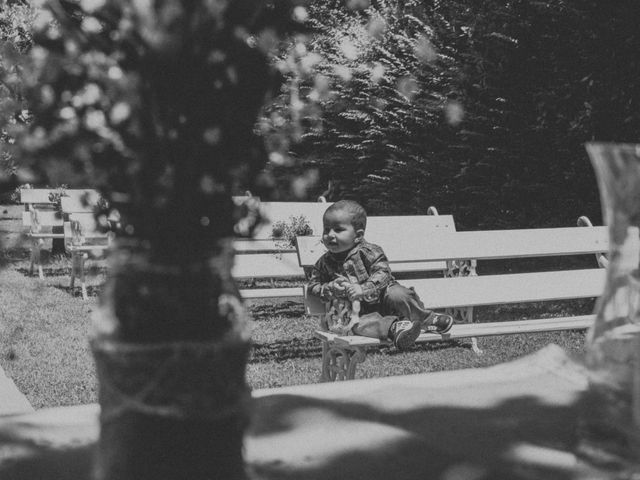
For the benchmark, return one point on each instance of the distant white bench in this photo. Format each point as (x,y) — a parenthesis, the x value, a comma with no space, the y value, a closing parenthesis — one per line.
(265,258)
(269,259)
(43,217)
(81,234)
(461,250)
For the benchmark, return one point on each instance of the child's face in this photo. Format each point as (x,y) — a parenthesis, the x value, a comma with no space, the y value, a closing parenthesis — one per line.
(339,235)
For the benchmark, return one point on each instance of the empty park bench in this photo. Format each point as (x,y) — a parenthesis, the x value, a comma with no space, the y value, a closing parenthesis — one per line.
(81,233)
(43,217)
(266,258)
(258,257)
(461,287)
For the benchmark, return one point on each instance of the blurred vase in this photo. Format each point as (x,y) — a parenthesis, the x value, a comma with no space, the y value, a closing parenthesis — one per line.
(610,419)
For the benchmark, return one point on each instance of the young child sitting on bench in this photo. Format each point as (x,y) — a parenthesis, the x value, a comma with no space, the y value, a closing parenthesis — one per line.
(358,271)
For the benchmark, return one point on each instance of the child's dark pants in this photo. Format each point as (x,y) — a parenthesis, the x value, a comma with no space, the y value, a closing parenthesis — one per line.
(397,302)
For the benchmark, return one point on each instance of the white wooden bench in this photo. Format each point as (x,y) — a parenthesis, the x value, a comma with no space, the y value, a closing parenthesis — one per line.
(43,218)
(40,219)
(265,258)
(81,235)
(462,287)
(257,258)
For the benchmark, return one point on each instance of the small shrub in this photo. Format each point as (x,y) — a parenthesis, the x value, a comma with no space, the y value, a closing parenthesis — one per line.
(55,197)
(286,231)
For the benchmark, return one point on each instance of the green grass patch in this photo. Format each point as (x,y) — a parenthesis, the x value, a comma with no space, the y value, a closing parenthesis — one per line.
(44,335)
(44,348)
(43,341)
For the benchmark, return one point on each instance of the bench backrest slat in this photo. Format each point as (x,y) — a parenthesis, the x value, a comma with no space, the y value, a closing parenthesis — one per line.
(79,201)
(490,244)
(497,244)
(266,265)
(398,233)
(41,196)
(262,245)
(509,288)
(273,212)
(259,258)
(35,195)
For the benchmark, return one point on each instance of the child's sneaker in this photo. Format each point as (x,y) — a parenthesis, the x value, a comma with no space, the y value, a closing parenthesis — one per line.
(404,333)
(438,323)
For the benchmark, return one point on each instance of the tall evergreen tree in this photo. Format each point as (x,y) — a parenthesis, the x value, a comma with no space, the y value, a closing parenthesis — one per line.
(502,97)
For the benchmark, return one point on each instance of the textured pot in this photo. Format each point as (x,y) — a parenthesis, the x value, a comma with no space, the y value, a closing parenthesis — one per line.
(170,343)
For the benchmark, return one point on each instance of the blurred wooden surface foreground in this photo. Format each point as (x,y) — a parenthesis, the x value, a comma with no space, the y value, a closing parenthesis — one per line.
(514,420)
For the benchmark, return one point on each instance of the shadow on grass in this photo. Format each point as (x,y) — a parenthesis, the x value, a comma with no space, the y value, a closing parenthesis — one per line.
(285,309)
(47,271)
(424,347)
(524,311)
(285,350)
(412,432)
(92,290)
(416,439)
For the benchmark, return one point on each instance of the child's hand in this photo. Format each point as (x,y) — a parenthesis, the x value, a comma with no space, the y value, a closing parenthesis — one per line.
(337,287)
(355,292)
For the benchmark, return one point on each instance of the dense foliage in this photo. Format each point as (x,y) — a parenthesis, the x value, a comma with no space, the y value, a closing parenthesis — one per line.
(16,19)
(479,108)
(154,104)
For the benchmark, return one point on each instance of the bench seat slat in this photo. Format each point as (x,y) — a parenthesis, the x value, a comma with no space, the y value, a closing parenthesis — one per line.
(476,330)
(509,288)
(87,248)
(46,235)
(46,218)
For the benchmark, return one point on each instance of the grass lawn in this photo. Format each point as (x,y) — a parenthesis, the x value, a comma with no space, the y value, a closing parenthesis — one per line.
(44,326)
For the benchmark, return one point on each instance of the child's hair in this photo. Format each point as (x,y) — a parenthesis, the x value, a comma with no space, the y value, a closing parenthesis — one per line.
(357,212)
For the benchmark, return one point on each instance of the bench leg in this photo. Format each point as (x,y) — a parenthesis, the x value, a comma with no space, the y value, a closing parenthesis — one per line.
(463,268)
(72,278)
(340,363)
(465,315)
(475,347)
(83,284)
(35,257)
(77,271)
